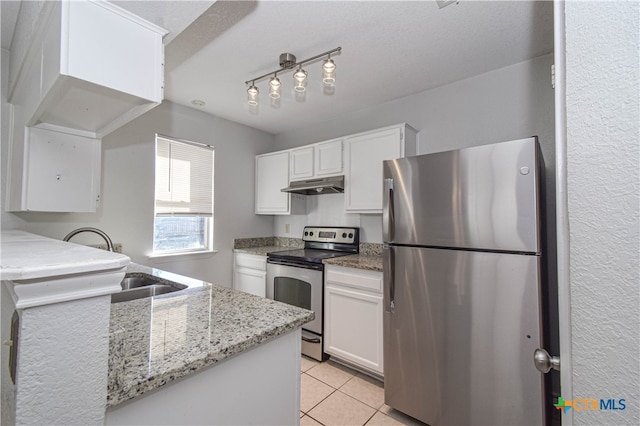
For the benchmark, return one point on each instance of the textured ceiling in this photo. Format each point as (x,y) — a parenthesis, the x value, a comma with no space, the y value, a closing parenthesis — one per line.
(390,50)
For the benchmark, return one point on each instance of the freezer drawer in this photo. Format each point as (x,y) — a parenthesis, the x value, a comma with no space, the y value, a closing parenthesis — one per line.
(460,338)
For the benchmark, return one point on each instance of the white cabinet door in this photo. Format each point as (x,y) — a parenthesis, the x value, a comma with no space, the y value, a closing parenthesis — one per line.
(250,273)
(301,163)
(364,155)
(93,66)
(353,316)
(272,174)
(61,173)
(353,327)
(328,158)
(250,281)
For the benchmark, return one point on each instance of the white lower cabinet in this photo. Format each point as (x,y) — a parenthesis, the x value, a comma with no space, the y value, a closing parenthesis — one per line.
(353,317)
(250,273)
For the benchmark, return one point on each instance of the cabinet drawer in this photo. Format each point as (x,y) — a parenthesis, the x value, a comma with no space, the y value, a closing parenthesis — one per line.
(251,261)
(355,278)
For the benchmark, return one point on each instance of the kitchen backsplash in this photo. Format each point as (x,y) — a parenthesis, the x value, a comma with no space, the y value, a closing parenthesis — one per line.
(328,210)
(371,249)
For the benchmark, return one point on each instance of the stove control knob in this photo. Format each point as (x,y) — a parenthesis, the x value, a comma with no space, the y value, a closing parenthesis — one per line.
(344,235)
(350,235)
(306,233)
(311,233)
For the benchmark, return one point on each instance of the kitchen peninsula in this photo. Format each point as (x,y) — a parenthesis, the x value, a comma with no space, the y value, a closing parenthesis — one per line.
(201,355)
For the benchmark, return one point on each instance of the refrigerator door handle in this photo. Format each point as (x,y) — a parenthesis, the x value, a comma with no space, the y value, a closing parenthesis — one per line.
(389,279)
(387,211)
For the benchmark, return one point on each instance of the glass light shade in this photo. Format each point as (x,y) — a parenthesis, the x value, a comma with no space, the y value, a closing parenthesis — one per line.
(274,87)
(252,95)
(329,65)
(300,80)
(328,72)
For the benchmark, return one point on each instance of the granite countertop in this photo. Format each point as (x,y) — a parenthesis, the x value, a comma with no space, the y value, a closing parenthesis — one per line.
(369,258)
(357,261)
(260,251)
(154,341)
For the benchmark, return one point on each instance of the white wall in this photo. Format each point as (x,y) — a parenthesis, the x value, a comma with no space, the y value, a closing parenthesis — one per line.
(603,152)
(126,212)
(509,103)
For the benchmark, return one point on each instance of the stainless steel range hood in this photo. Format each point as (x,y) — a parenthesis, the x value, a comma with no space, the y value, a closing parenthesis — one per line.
(328,185)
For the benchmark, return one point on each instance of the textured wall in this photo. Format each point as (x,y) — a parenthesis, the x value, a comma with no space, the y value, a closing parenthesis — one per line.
(513,102)
(603,186)
(126,211)
(62,363)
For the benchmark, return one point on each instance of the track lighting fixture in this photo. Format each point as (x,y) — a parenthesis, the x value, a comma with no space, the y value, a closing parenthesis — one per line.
(288,62)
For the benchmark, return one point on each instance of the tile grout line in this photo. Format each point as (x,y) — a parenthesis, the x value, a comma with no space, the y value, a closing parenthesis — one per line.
(322,400)
(376,410)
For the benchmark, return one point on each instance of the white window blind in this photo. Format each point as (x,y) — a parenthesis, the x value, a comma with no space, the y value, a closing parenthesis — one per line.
(184,178)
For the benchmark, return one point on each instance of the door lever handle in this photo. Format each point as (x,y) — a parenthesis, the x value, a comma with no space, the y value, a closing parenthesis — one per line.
(545,362)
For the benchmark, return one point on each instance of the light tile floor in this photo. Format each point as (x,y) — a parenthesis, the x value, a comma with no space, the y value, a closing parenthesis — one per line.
(334,395)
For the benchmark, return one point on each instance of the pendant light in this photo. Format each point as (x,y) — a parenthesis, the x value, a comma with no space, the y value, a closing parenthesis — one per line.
(274,87)
(252,95)
(300,80)
(329,71)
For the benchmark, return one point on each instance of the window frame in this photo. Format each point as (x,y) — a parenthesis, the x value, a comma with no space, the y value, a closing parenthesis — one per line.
(209,222)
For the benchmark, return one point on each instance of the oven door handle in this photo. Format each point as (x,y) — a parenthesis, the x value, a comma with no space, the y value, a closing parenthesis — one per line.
(314,266)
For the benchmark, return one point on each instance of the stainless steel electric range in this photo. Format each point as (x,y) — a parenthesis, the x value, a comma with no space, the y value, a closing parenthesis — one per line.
(296,277)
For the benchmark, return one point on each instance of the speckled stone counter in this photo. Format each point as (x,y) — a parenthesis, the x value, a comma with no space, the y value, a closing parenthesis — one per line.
(358,261)
(262,245)
(260,251)
(369,258)
(154,341)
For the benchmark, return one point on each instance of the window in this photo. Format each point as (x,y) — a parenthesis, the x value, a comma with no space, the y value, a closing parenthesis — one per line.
(183,221)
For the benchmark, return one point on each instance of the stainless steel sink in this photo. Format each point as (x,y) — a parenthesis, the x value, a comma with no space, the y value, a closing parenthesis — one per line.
(141,287)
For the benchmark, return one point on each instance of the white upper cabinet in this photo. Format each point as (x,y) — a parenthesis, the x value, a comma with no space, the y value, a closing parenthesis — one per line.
(364,154)
(328,158)
(301,163)
(62,173)
(272,174)
(317,160)
(91,66)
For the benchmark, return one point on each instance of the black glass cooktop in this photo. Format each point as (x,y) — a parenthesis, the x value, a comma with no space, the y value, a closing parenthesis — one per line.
(306,255)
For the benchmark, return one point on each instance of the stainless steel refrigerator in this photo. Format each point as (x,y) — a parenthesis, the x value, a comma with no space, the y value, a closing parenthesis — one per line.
(462,285)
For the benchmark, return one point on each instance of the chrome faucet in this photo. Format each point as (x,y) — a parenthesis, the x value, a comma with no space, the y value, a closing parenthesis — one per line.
(95,231)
